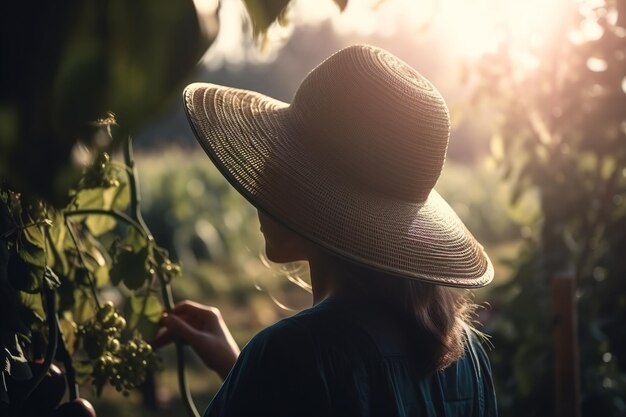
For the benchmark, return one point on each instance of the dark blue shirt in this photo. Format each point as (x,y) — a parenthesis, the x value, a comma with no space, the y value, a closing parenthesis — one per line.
(350,360)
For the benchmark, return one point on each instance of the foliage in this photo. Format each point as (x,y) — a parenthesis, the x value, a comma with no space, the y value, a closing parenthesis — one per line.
(265,12)
(95,57)
(562,136)
(71,232)
(97,243)
(203,222)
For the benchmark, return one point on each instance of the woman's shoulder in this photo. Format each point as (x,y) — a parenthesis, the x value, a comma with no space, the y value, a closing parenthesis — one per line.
(276,374)
(308,336)
(299,327)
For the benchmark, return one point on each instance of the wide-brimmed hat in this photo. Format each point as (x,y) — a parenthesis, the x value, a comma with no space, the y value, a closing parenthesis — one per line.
(350,164)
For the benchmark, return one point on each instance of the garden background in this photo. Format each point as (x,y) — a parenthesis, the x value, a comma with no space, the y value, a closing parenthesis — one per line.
(536,169)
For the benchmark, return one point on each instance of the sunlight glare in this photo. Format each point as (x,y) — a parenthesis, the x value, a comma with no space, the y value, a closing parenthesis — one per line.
(480,26)
(596,64)
(468,27)
(465,29)
(365,17)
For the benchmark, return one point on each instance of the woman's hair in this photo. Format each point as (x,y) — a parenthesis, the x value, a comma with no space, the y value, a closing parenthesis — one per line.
(438,314)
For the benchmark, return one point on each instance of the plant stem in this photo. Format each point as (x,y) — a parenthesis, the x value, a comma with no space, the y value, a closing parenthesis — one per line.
(26,226)
(53,338)
(168,300)
(49,241)
(112,213)
(70,372)
(166,290)
(135,196)
(144,305)
(92,280)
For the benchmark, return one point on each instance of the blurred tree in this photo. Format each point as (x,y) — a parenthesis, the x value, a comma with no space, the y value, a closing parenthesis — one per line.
(562,135)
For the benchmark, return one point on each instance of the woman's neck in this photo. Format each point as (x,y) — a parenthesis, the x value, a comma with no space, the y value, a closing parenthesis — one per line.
(326,276)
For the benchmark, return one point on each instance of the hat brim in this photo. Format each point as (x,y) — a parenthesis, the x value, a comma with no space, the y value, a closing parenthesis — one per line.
(252,140)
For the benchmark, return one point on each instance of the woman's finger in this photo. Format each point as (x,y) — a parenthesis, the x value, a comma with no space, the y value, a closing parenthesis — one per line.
(176,327)
(192,308)
(202,316)
(163,337)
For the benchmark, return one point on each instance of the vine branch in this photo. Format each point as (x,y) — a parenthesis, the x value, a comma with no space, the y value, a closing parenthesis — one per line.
(92,280)
(112,213)
(166,290)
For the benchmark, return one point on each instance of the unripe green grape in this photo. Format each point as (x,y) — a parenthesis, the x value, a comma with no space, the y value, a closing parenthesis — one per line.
(120,323)
(113,345)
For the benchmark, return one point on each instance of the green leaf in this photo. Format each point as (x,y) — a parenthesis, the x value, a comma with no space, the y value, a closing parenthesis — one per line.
(68,330)
(132,268)
(134,239)
(58,243)
(33,234)
(32,254)
(31,246)
(119,197)
(84,305)
(33,303)
(99,224)
(145,51)
(263,13)
(145,306)
(145,313)
(127,56)
(94,253)
(102,276)
(113,198)
(89,198)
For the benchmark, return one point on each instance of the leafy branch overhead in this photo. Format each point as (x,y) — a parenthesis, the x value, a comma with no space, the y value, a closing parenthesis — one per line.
(263,13)
(95,57)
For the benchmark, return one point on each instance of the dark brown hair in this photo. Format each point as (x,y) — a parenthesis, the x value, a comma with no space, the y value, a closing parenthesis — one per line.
(439,315)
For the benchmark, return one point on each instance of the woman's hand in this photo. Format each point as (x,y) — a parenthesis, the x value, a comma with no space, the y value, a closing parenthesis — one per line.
(203,328)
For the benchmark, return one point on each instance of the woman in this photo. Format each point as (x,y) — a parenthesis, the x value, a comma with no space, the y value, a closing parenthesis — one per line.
(343,178)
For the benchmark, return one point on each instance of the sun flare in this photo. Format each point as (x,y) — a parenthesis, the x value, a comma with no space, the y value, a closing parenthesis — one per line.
(465,29)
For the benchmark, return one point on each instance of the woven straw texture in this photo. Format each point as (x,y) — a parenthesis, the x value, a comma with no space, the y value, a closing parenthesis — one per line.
(350,164)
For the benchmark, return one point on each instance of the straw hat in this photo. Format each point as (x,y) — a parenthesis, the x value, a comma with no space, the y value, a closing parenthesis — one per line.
(350,164)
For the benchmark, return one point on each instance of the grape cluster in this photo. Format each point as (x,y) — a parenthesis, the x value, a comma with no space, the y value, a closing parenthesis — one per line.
(102,334)
(101,174)
(123,365)
(170,269)
(128,368)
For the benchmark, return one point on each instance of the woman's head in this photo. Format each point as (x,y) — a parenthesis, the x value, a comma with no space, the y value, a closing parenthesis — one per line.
(436,315)
(350,165)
